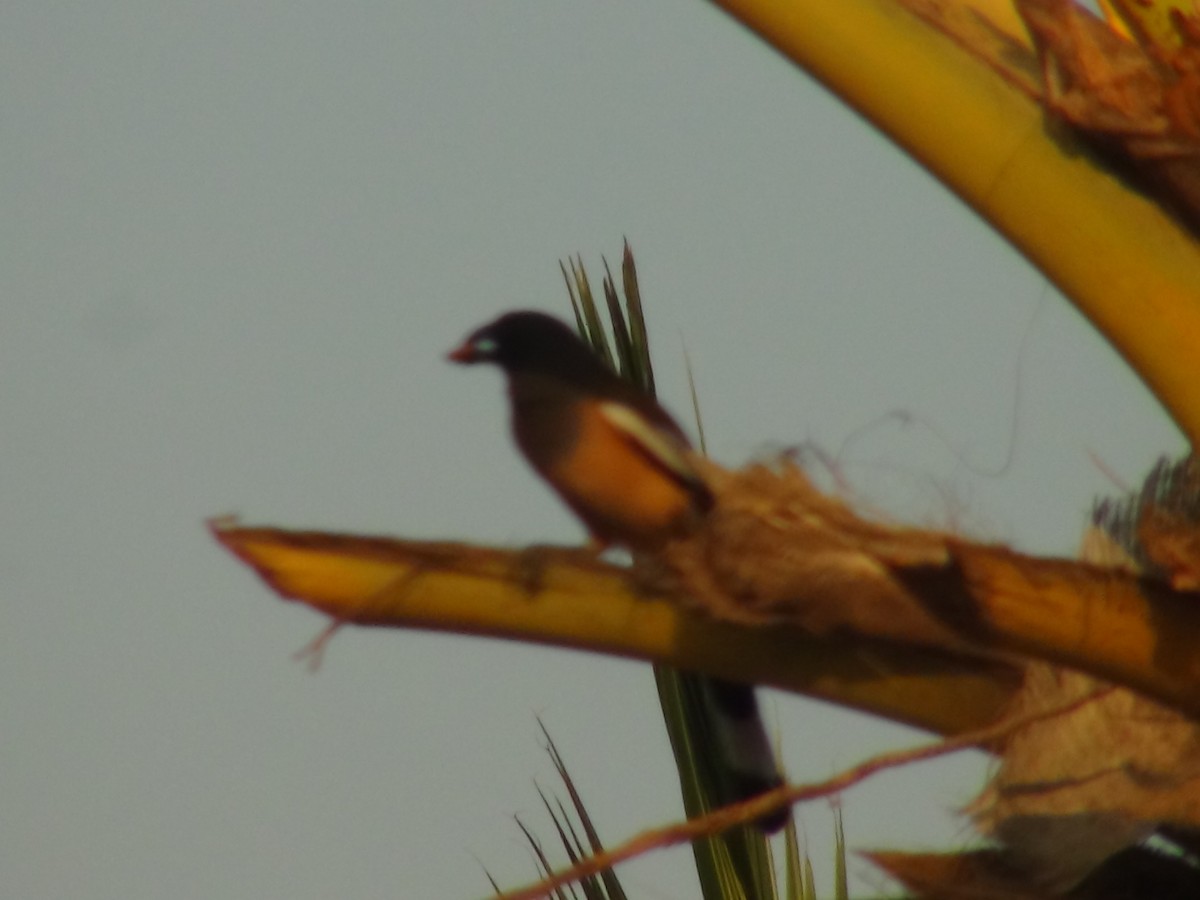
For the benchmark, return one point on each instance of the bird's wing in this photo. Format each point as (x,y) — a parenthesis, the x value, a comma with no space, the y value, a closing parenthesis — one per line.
(662,447)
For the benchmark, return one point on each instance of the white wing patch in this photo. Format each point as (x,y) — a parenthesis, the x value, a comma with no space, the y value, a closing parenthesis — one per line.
(660,445)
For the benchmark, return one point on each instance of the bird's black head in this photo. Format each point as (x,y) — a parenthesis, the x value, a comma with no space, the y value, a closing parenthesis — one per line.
(528,341)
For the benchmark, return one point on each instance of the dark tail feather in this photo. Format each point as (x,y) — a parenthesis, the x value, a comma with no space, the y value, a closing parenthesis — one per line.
(746,765)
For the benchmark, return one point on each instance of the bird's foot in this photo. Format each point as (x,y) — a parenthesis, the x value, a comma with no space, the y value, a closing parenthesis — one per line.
(533,561)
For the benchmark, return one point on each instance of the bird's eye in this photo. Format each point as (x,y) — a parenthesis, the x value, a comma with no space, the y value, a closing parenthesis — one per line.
(486,347)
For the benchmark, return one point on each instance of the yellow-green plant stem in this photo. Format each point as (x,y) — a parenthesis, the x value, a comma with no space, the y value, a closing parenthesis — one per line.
(1127,264)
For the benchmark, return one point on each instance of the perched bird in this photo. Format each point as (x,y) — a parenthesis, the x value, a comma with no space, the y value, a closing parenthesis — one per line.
(619,461)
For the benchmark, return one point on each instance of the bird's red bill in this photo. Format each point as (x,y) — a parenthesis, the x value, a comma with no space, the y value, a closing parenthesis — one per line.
(464,353)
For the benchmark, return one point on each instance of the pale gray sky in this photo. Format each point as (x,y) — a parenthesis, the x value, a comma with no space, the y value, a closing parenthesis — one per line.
(237,240)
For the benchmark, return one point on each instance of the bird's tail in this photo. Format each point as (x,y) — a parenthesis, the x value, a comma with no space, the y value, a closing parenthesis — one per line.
(739,749)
